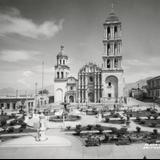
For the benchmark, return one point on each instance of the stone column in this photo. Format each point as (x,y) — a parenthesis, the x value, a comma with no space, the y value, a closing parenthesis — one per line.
(112,32)
(4,105)
(112,48)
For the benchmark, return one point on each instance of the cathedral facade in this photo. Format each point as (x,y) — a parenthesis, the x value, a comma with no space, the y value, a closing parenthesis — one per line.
(94,84)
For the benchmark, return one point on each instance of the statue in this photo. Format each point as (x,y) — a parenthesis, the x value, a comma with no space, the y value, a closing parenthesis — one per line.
(42,129)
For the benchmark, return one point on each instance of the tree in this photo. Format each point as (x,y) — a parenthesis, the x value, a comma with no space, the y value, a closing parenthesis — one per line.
(45,91)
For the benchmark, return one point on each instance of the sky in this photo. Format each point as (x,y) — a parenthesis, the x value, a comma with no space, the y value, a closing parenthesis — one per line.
(32,31)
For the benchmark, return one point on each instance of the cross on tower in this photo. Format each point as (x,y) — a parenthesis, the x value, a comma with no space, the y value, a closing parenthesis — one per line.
(62,47)
(112,11)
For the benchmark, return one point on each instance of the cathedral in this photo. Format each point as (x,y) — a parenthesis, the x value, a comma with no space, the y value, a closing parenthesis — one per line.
(94,84)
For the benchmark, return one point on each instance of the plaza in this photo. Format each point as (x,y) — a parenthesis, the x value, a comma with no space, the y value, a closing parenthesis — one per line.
(78,79)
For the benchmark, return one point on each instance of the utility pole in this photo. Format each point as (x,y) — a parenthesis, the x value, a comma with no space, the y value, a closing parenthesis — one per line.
(36,84)
(42,80)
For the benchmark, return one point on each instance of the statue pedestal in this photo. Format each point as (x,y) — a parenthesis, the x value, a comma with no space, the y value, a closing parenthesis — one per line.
(41,132)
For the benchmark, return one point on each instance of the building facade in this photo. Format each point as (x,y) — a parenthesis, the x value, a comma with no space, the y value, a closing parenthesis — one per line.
(95,84)
(89,84)
(15,103)
(153,87)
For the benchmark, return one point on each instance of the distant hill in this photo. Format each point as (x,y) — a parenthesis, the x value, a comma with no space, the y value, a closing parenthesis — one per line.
(12,92)
(7,91)
(142,82)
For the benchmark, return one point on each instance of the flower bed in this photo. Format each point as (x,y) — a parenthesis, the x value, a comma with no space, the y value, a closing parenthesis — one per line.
(149,123)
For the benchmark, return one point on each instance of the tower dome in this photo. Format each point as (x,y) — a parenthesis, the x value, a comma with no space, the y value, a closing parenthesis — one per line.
(112,17)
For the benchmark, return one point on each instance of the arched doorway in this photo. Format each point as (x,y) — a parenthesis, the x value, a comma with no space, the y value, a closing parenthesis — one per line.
(111,87)
(59,95)
(91,97)
(71,99)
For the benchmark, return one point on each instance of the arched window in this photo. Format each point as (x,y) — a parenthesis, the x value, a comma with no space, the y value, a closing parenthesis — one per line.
(109,84)
(115,32)
(108,63)
(60,61)
(108,32)
(91,79)
(115,29)
(116,63)
(63,61)
(108,49)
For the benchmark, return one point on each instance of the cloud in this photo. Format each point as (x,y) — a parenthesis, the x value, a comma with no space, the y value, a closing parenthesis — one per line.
(17,55)
(27,73)
(11,22)
(135,62)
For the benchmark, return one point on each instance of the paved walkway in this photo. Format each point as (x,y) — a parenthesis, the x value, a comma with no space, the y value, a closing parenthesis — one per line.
(78,151)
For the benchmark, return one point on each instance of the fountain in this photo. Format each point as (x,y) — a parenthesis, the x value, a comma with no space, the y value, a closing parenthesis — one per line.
(41,131)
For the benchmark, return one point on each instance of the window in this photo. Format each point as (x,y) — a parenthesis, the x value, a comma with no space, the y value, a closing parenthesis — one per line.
(62,76)
(108,63)
(8,106)
(71,88)
(63,61)
(110,84)
(108,30)
(91,79)
(60,61)
(115,29)
(109,95)
(58,75)
(116,63)
(108,48)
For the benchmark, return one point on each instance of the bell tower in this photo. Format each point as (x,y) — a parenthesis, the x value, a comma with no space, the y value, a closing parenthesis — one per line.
(62,71)
(112,72)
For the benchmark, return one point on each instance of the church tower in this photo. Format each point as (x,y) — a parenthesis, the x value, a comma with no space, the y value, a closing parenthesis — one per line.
(112,72)
(62,71)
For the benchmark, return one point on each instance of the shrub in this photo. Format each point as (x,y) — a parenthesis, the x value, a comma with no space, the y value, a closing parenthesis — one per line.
(122,131)
(149,117)
(3,123)
(138,129)
(99,128)
(116,115)
(107,119)
(153,124)
(142,122)
(89,127)
(138,119)
(155,116)
(155,132)
(23,125)
(10,130)
(68,128)
(13,123)
(78,129)
(114,130)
